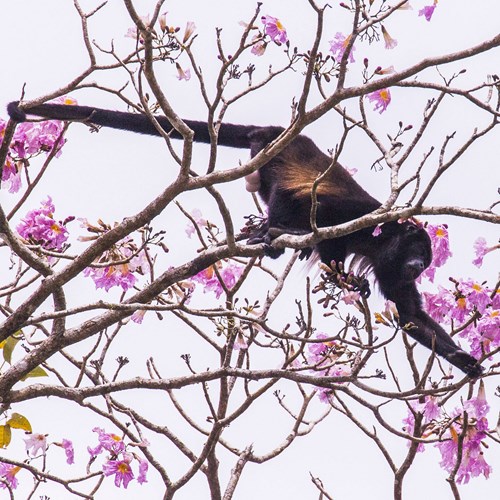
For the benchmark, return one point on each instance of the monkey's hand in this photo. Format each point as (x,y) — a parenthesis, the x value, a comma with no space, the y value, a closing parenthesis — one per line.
(15,112)
(465,362)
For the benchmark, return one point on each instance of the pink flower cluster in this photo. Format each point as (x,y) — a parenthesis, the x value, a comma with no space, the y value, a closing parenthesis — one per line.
(119,460)
(117,266)
(229,273)
(469,298)
(435,419)
(324,357)
(30,139)
(40,228)
(8,474)
(440,248)
(339,45)
(472,461)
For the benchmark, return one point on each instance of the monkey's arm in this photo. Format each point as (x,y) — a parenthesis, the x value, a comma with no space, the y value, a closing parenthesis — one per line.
(427,332)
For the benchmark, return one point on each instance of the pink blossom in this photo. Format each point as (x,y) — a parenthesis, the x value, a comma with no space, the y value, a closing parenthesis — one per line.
(229,275)
(338,46)
(11,174)
(440,243)
(350,298)
(381,98)
(428,11)
(68,449)
(183,74)
(121,469)
(8,474)
(110,276)
(36,443)
(40,228)
(198,219)
(123,273)
(439,305)
(409,428)
(481,249)
(390,42)
(132,32)
(275,30)
(107,441)
(138,316)
(472,462)
(477,295)
(143,469)
(486,335)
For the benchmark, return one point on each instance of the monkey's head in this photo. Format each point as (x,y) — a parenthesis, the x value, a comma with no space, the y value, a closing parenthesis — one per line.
(406,251)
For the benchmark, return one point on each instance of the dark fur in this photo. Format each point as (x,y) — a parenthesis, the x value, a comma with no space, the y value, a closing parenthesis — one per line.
(397,256)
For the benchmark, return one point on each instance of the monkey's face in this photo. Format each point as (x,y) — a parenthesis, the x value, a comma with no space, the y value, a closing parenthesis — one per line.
(415,247)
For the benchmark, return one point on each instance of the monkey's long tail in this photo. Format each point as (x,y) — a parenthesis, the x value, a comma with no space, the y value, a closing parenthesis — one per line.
(236,136)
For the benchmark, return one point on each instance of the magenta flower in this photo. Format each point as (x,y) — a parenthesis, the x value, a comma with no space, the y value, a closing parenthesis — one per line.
(323,357)
(472,461)
(440,243)
(129,263)
(338,46)
(143,469)
(476,294)
(439,305)
(11,174)
(486,335)
(36,443)
(481,249)
(121,469)
(381,98)
(229,274)
(428,11)
(8,474)
(110,276)
(69,450)
(39,227)
(275,30)
(107,441)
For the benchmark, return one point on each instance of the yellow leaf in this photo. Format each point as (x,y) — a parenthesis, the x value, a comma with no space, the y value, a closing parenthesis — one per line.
(8,348)
(5,435)
(18,421)
(36,372)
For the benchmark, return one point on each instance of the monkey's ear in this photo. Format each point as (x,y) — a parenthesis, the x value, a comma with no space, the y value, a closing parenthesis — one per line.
(15,112)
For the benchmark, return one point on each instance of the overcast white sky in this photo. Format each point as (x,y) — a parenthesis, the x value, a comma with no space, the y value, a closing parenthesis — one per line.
(112,174)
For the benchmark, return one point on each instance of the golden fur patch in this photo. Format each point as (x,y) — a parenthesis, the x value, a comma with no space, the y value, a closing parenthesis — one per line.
(299,180)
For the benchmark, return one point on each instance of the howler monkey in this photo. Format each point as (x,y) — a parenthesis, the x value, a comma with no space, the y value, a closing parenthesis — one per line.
(397,255)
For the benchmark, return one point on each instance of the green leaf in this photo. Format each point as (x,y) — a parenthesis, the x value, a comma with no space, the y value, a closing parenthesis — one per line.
(8,347)
(18,421)
(5,435)
(36,372)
